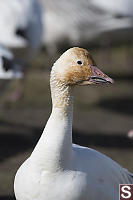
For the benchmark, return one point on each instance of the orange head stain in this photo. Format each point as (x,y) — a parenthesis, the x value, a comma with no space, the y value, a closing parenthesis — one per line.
(74,66)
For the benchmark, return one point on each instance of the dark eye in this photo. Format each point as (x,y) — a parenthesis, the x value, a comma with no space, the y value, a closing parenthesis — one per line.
(79,62)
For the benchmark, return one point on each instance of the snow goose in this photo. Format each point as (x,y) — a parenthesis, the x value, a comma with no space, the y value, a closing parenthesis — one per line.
(119,8)
(88,22)
(23,23)
(8,69)
(58,169)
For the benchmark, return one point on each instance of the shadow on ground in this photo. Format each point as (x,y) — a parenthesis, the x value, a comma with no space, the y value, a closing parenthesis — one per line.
(123,105)
(7,198)
(123,77)
(102,140)
(11,144)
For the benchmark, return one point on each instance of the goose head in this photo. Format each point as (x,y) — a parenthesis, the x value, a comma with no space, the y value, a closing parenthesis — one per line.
(77,67)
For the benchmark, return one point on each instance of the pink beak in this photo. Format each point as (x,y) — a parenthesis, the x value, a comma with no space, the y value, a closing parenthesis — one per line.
(97,76)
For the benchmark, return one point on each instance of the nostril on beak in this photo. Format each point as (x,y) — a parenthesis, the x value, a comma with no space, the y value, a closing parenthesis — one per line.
(98,74)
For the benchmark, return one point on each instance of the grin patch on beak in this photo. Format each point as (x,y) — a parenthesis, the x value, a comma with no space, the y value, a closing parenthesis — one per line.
(97,76)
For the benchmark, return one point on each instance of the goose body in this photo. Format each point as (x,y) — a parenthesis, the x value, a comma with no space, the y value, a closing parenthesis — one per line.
(58,169)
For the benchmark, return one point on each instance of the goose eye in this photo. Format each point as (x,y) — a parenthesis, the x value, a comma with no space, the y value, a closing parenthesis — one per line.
(79,62)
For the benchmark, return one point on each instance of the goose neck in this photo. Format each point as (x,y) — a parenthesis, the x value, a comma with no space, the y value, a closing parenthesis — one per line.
(62,98)
(54,149)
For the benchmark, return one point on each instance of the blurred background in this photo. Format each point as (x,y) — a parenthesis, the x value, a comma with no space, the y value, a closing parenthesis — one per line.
(33,34)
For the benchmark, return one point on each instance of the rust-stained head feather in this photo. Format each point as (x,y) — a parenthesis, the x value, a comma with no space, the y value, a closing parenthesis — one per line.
(76,67)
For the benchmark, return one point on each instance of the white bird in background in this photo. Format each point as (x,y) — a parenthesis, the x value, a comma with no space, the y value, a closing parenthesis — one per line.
(119,7)
(21,32)
(20,23)
(58,169)
(8,68)
(85,21)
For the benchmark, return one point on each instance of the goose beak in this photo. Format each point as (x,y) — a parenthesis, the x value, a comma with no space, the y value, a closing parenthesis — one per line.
(97,76)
